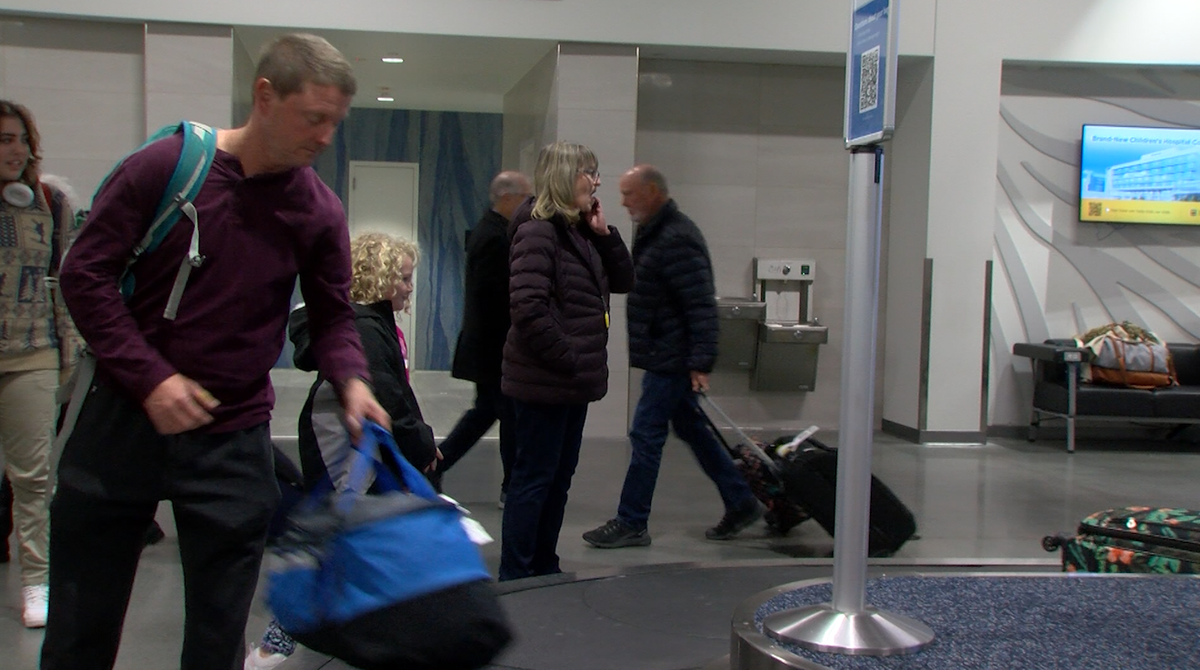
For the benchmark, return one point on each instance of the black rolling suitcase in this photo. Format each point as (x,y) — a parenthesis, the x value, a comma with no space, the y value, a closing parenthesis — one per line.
(761,473)
(809,476)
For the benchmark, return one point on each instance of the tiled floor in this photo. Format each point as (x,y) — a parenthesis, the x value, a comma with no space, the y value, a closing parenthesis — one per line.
(973,504)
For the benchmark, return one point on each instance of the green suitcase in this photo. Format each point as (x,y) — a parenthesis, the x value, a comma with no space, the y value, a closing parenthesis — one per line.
(1158,540)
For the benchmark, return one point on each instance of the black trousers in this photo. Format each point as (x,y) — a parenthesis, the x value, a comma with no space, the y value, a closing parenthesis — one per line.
(114,470)
(490,406)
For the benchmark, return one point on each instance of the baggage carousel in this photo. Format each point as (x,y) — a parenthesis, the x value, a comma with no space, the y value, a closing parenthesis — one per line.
(685,616)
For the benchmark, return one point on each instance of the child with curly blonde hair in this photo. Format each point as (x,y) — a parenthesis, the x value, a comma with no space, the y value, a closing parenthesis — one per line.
(381,285)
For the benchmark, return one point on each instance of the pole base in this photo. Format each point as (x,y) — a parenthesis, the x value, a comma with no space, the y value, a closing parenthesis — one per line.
(869,633)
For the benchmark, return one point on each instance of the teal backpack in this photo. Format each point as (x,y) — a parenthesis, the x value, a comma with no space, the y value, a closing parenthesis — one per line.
(199,148)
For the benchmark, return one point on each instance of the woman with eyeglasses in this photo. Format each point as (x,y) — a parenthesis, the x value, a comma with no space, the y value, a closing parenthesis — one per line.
(565,261)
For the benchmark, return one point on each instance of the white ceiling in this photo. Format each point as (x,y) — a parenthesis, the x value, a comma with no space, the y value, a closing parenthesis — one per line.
(439,72)
(472,74)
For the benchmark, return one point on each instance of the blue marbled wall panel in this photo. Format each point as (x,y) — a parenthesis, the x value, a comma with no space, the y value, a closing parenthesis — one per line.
(458,153)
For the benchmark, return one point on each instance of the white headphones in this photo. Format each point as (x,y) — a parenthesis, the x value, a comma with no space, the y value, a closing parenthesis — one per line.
(17,194)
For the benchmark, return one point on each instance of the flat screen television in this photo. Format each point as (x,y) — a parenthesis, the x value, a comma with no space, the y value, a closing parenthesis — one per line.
(1130,174)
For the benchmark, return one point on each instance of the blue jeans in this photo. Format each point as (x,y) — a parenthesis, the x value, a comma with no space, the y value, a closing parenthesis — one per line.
(548,439)
(669,399)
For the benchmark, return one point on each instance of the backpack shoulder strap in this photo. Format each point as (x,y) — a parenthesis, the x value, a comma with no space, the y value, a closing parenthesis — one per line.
(195,159)
(199,148)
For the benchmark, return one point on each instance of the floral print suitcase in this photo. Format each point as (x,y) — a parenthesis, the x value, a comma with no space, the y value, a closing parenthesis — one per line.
(1161,540)
(782,514)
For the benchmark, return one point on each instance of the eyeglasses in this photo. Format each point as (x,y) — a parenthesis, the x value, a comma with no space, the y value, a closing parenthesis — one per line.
(594,173)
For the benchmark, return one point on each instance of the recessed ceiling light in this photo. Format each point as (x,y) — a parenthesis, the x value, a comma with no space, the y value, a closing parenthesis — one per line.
(392,59)
(386,98)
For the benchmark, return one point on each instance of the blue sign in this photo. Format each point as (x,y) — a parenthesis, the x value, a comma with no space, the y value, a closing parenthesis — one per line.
(871,72)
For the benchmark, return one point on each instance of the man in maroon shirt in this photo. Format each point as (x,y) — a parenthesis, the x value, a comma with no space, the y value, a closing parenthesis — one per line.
(179,410)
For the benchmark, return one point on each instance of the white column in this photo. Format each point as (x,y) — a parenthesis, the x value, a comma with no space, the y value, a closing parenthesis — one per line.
(596,87)
(908,222)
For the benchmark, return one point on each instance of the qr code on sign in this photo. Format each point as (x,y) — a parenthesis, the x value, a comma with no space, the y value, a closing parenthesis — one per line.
(1094,209)
(868,71)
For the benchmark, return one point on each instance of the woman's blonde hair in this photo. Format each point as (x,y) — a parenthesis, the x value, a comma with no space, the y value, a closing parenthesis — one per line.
(377,260)
(554,177)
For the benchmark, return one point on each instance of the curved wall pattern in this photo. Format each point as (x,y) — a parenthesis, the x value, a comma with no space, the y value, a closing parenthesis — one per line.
(1057,276)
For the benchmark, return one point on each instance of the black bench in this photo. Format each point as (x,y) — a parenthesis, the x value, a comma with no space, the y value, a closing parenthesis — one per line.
(1058,393)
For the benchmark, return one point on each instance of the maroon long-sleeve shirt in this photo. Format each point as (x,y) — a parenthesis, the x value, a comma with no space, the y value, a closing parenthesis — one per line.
(257,235)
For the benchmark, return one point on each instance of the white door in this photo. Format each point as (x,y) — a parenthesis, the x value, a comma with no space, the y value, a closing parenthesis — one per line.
(383,198)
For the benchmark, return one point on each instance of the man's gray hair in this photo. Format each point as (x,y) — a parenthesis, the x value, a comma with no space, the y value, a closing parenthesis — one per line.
(508,183)
(295,59)
(653,176)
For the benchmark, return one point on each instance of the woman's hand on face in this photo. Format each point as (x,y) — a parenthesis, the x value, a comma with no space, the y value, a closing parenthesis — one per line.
(595,218)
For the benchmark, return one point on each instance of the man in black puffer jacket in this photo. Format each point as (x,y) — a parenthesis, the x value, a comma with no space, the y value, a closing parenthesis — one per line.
(672,314)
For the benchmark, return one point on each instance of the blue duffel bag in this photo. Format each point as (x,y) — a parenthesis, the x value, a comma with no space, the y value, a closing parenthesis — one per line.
(386,579)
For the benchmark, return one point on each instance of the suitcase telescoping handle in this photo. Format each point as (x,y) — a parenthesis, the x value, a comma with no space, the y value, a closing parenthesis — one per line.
(769,462)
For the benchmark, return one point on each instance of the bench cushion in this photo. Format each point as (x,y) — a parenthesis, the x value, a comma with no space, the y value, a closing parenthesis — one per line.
(1177,402)
(1186,358)
(1095,400)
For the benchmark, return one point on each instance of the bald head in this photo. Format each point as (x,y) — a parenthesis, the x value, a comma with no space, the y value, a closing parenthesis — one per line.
(643,192)
(508,190)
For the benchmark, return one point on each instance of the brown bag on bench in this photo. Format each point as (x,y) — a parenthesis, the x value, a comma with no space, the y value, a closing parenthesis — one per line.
(1126,355)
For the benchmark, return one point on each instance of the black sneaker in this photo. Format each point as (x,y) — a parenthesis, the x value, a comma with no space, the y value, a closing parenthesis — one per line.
(616,533)
(735,521)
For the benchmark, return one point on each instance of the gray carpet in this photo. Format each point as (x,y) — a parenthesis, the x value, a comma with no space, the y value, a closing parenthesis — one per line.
(1028,622)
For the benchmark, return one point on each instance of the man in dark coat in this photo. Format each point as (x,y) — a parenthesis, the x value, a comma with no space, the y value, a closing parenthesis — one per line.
(672,315)
(485,325)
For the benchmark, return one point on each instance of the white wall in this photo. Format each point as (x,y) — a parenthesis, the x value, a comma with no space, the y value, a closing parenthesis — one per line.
(531,114)
(188,70)
(1092,31)
(807,25)
(966,87)
(243,81)
(83,81)
(907,170)
(597,106)
(97,89)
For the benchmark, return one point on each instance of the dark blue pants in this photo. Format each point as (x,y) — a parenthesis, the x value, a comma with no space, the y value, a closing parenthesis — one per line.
(668,402)
(548,439)
(490,406)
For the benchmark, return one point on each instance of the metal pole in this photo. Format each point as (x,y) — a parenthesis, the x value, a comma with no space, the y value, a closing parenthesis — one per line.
(856,420)
(848,625)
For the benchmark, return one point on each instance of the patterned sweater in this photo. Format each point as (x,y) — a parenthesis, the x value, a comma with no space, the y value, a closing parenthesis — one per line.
(34,324)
